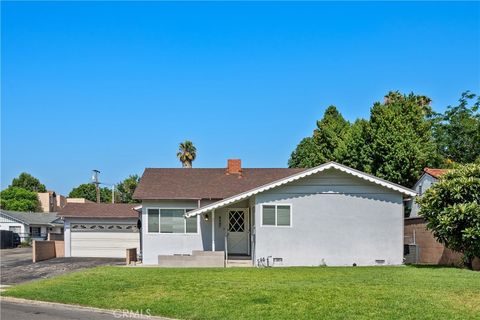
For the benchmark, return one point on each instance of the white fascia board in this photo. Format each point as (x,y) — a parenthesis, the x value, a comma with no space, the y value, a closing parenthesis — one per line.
(297,176)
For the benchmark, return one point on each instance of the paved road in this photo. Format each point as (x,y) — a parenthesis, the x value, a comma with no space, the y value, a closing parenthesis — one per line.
(16,265)
(33,311)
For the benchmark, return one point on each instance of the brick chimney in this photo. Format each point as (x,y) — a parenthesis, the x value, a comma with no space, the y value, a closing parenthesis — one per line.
(234,166)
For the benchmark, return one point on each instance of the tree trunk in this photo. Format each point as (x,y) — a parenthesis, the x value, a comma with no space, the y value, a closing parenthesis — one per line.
(469,262)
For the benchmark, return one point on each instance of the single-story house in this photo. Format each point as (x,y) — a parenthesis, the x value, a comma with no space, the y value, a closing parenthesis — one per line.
(31,225)
(100,229)
(327,215)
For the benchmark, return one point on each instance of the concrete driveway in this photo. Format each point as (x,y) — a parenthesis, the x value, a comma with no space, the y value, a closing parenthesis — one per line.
(17,266)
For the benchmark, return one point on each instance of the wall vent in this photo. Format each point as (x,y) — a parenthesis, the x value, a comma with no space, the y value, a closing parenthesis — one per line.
(380,261)
(277,261)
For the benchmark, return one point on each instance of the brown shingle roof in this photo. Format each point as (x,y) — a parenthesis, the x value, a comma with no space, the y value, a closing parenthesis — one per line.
(197,183)
(435,172)
(99,210)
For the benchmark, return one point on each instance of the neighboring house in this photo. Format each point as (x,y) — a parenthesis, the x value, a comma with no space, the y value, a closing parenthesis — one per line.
(422,246)
(100,229)
(327,215)
(429,177)
(50,202)
(31,225)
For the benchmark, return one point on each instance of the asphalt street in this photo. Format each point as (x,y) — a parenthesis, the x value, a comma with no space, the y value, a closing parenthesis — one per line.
(24,310)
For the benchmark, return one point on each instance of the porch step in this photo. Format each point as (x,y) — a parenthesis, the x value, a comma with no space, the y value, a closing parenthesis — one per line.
(239,263)
(208,253)
(196,260)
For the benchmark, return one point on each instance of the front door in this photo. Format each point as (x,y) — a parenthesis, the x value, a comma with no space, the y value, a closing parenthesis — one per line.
(238,231)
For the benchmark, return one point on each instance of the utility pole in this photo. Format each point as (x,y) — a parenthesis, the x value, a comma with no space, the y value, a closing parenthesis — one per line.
(96,183)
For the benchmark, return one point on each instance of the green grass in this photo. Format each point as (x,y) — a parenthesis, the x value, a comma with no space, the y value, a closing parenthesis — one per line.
(274,293)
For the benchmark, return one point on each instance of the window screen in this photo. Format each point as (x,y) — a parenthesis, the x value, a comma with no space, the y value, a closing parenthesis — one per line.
(268,216)
(283,215)
(191,224)
(172,221)
(153,220)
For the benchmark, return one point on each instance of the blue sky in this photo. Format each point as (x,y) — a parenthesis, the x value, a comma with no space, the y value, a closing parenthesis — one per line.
(116,86)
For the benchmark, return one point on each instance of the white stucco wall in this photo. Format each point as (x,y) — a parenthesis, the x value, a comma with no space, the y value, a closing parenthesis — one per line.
(337,220)
(155,244)
(5,225)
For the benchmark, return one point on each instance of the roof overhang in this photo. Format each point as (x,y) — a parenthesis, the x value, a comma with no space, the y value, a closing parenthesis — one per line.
(303,174)
(14,218)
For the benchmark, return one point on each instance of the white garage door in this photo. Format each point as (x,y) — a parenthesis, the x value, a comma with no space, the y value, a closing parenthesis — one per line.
(103,244)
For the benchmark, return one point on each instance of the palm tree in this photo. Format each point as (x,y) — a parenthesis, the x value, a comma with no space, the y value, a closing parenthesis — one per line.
(186,153)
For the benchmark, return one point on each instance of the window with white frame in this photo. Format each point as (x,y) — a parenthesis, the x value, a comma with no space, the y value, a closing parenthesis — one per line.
(279,215)
(170,221)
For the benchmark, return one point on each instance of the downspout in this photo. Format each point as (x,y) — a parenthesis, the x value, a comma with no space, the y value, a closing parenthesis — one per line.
(213,230)
(139,210)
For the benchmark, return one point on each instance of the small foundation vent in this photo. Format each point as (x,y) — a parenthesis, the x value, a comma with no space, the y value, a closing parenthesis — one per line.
(277,261)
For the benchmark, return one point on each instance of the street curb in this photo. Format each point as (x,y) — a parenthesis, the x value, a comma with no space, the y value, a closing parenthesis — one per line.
(78,307)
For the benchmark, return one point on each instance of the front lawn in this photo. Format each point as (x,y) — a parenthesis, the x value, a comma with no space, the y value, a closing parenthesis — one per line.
(274,293)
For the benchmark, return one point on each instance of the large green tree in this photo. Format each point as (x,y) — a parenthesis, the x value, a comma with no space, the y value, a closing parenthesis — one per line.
(457,131)
(18,199)
(87,191)
(28,182)
(126,188)
(451,208)
(326,144)
(357,152)
(401,138)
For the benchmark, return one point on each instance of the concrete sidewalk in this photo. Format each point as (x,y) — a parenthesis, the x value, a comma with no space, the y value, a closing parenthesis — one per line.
(21,309)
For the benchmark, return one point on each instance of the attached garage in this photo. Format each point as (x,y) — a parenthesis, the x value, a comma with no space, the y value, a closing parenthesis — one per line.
(100,230)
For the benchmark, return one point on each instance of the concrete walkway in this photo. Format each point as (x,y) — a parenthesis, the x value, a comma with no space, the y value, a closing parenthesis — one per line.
(20,309)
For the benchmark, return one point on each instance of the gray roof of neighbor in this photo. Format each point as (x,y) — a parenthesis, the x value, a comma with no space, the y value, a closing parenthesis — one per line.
(99,210)
(33,218)
(203,183)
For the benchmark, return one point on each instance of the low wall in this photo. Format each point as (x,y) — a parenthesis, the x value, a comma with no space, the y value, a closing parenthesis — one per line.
(44,250)
(59,248)
(430,251)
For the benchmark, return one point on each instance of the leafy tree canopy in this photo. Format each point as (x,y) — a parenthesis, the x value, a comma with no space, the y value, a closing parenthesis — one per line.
(457,130)
(451,208)
(357,152)
(87,191)
(326,144)
(28,182)
(18,199)
(396,143)
(126,188)
(401,138)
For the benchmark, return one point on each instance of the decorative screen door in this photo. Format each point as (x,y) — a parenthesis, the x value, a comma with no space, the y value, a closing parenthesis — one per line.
(238,231)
